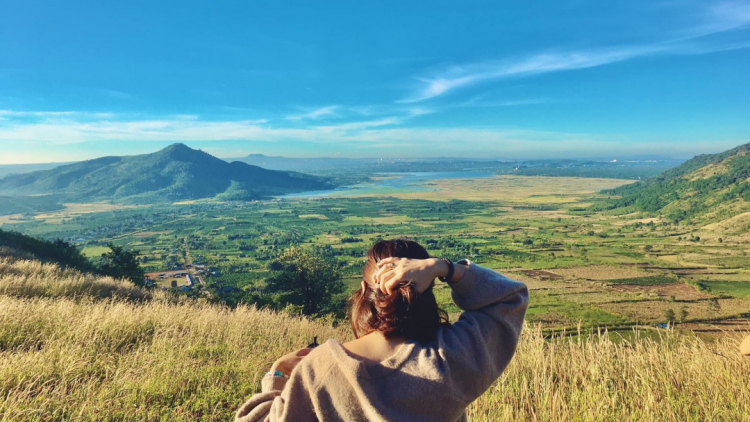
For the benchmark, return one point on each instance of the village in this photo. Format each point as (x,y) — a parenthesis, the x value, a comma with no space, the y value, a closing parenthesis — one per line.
(180,278)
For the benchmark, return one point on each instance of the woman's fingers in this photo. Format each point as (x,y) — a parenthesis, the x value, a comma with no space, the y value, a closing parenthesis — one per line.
(392,281)
(389,260)
(384,277)
(379,273)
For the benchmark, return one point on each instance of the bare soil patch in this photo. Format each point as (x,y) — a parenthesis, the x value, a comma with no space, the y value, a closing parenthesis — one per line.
(602,272)
(652,311)
(147,234)
(680,291)
(728,326)
(535,283)
(592,297)
(543,275)
(313,217)
(11,218)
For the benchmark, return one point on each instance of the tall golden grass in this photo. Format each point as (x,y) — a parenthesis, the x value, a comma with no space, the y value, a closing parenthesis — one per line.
(26,278)
(74,356)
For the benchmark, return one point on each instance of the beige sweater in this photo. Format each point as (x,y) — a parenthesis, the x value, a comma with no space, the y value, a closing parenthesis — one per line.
(433,381)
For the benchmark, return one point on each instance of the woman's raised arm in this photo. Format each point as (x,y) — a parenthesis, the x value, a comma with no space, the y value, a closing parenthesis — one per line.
(478,347)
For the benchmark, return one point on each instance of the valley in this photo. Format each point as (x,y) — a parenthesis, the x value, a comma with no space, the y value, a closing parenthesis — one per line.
(585,268)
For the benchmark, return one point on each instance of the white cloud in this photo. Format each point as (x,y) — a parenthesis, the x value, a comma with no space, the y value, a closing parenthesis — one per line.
(54,114)
(721,18)
(67,128)
(475,73)
(113,93)
(370,135)
(316,114)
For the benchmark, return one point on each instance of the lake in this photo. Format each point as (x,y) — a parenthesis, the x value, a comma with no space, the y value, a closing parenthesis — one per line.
(392,183)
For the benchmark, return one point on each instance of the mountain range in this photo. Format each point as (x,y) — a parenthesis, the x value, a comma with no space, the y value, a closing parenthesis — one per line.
(175,173)
(707,187)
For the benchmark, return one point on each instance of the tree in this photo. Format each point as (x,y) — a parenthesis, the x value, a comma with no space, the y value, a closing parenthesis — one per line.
(119,263)
(669,315)
(683,313)
(306,279)
(714,307)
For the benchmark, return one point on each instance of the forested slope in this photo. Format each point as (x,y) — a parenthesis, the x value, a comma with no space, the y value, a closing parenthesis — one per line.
(172,174)
(705,184)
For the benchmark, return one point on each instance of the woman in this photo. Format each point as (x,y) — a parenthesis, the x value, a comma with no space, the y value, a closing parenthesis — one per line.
(407,363)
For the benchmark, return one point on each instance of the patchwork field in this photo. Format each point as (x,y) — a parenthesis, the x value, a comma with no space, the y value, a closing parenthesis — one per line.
(594,269)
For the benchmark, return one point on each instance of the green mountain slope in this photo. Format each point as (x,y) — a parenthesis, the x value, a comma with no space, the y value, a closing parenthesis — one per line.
(174,173)
(709,186)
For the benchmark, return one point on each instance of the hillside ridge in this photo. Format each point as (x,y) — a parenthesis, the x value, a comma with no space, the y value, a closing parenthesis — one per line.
(706,184)
(174,173)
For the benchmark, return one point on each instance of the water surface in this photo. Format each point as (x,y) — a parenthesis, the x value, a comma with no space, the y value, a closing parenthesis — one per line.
(392,183)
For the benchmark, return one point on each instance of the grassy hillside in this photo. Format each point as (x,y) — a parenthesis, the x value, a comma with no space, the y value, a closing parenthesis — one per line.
(706,183)
(174,173)
(17,245)
(68,354)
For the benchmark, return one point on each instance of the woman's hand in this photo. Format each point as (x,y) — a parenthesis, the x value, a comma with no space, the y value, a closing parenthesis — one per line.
(288,362)
(393,272)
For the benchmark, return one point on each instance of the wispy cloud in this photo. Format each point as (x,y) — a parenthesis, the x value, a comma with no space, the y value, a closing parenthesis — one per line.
(315,114)
(70,128)
(113,93)
(721,18)
(54,114)
(388,136)
(481,101)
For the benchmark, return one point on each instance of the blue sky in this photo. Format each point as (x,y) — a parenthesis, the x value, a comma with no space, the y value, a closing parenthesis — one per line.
(534,79)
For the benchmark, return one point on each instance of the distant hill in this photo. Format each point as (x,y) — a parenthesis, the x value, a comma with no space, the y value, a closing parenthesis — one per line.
(7,169)
(710,186)
(172,174)
(627,168)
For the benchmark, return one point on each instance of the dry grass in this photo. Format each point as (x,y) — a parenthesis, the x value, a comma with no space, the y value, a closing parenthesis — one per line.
(515,189)
(675,378)
(76,360)
(25,278)
(83,358)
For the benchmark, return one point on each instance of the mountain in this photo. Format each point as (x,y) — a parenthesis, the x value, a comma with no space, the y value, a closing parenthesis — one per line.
(172,174)
(708,186)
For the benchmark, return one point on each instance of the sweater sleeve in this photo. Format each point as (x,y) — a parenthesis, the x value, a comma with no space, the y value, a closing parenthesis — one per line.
(478,347)
(280,400)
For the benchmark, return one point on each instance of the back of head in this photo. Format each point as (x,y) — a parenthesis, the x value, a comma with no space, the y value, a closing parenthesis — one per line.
(401,314)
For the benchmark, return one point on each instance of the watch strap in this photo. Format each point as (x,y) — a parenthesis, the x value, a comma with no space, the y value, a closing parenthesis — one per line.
(451,271)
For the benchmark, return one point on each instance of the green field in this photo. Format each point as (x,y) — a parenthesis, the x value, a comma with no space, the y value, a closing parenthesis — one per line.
(95,251)
(597,269)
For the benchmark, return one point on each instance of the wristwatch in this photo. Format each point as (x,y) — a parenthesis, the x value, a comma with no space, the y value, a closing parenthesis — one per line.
(451,270)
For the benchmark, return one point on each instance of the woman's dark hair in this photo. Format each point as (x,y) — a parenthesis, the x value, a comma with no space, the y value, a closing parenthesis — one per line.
(404,313)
